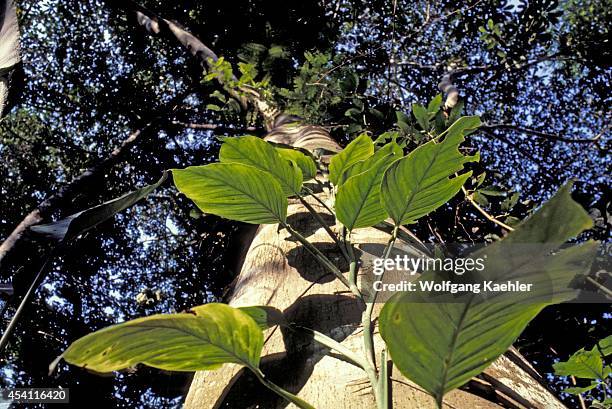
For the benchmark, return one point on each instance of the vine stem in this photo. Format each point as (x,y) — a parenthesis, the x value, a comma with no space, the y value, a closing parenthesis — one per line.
(484,212)
(319,219)
(380,392)
(321,202)
(353,267)
(40,276)
(300,403)
(321,258)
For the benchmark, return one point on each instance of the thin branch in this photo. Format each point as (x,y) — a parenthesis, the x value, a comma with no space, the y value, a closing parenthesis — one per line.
(217,127)
(545,135)
(484,212)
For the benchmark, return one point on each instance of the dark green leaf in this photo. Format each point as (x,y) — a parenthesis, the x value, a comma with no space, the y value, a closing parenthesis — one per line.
(304,162)
(358,200)
(453,341)
(78,223)
(434,104)
(577,390)
(421,115)
(582,364)
(605,345)
(363,165)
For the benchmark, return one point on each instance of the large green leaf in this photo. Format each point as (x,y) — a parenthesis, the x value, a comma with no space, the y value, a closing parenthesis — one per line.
(420,183)
(234,191)
(364,165)
(78,223)
(359,149)
(253,151)
(463,126)
(440,345)
(586,364)
(358,199)
(304,162)
(206,338)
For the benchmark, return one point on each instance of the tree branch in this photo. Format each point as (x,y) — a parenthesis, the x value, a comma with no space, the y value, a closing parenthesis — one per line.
(217,128)
(84,180)
(544,135)
(155,24)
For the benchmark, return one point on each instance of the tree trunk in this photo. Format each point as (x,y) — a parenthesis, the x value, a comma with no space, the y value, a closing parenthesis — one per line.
(278,272)
(9,52)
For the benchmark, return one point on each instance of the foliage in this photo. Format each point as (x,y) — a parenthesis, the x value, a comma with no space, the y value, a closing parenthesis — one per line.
(590,365)
(247,185)
(458,338)
(96,77)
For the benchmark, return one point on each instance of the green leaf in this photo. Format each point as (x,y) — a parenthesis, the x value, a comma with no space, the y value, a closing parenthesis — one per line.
(78,223)
(419,183)
(511,201)
(463,126)
(577,390)
(434,104)
(605,345)
(359,149)
(582,364)
(208,337)
(480,198)
(421,115)
(481,178)
(363,165)
(444,347)
(253,151)
(304,162)
(234,191)
(492,191)
(265,317)
(358,199)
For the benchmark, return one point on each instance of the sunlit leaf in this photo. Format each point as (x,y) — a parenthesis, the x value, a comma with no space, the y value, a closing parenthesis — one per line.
(358,202)
(234,191)
(78,223)
(363,165)
(441,345)
(359,149)
(586,364)
(605,345)
(264,316)
(420,183)
(304,162)
(254,151)
(420,113)
(206,338)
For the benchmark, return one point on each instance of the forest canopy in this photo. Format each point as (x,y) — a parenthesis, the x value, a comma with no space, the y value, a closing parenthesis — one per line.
(108,100)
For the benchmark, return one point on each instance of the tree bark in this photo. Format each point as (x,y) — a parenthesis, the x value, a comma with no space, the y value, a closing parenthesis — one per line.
(278,272)
(9,52)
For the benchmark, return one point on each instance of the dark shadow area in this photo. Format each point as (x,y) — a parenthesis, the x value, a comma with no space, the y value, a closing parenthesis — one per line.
(333,315)
(310,268)
(306,224)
